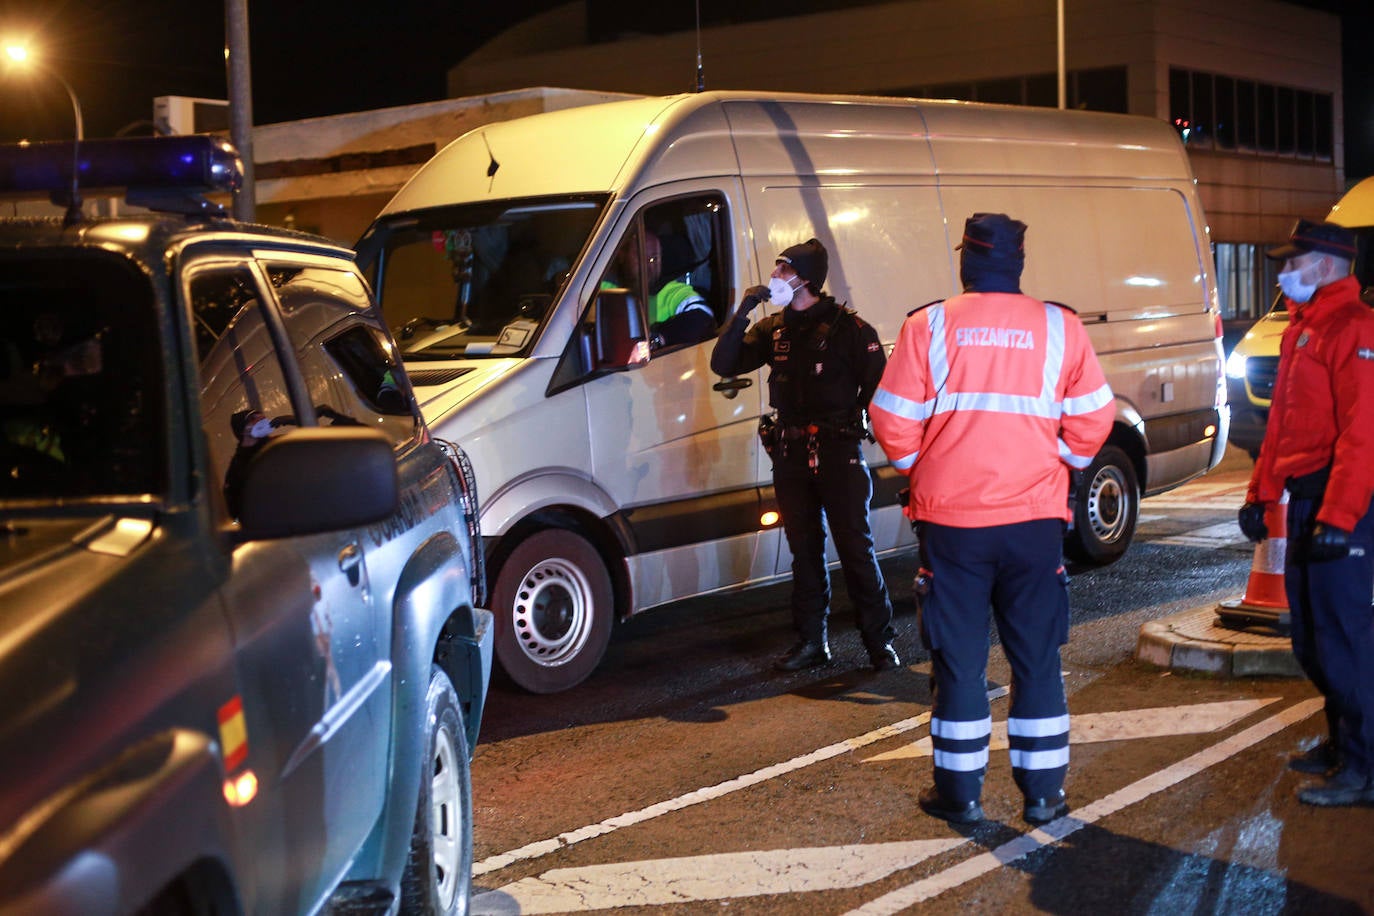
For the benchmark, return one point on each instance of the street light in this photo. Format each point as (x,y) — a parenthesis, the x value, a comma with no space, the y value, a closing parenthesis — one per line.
(18,56)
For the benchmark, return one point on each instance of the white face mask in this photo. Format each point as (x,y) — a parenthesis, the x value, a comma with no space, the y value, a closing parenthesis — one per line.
(1290,281)
(779,291)
(261,429)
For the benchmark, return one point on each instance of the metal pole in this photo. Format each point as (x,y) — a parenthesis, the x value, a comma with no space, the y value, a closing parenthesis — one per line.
(1063,93)
(74,204)
(240,102)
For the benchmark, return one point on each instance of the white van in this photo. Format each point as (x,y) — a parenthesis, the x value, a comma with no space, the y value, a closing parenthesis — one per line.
(619,477)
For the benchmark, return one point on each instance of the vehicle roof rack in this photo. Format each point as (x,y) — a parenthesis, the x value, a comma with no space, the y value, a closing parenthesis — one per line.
(167,174)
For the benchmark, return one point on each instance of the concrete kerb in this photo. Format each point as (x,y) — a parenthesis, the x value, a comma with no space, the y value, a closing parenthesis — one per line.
(1192,640)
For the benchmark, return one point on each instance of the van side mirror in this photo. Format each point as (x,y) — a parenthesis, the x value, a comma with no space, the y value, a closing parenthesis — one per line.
(619,332)
(319,479)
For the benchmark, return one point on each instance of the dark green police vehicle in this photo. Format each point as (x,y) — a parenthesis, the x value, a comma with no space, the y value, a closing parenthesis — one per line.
(242,652)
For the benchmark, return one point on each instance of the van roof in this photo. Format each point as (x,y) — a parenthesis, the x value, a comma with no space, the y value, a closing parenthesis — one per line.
(1356,208)
(619,145)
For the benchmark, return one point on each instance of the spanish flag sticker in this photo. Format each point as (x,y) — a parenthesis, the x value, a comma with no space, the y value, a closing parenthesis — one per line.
(233,734)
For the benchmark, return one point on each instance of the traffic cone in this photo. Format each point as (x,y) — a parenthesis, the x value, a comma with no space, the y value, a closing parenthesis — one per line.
(1265,603)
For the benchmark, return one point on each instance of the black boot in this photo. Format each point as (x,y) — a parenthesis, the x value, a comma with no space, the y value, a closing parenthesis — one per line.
(805,654)
(884,658)
(1039,811)
(947,809)
(1318,760)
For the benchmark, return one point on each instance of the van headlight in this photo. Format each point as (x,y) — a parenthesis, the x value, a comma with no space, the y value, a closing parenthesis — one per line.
(1235,365)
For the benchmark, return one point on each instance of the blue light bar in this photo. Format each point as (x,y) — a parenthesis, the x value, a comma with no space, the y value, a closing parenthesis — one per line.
(159,168)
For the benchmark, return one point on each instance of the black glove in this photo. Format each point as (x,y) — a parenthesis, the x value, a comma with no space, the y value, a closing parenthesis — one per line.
(1251,518)
(752,297)
(1327,543)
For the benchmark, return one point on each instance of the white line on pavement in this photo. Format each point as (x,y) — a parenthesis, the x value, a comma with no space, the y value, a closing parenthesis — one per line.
(1053,832)
(1121,725)
(563,840)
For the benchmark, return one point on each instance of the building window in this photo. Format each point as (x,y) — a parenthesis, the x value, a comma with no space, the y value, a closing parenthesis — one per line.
(1102,89)
(1245,280)
(1218,112)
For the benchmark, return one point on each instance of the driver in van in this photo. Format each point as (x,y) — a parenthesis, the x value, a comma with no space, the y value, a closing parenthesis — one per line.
(678,314)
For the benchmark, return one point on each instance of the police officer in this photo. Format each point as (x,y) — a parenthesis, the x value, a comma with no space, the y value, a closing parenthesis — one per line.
(825,362)
(1317,445)
(989,400)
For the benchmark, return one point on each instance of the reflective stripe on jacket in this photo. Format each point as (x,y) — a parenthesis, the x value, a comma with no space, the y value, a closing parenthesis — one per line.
(1322,412)
(987,401)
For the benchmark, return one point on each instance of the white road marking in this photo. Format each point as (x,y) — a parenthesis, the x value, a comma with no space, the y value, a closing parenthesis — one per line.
(1122,725)
(659,882)
(1222,534)
(1200,495)
(544,847)
(1053,832)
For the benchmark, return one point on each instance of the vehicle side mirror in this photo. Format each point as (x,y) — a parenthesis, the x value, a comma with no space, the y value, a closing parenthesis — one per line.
(620,332)
(313,480)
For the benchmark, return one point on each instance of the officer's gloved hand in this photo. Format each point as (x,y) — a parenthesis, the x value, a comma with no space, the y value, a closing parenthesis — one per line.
(1251,518)
(752,297)
(1328,543)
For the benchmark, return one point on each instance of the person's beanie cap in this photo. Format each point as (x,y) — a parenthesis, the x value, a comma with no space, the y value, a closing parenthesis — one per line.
(810,260)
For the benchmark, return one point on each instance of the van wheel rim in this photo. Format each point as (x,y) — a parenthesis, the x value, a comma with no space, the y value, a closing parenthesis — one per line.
(551,613)
(1107,505)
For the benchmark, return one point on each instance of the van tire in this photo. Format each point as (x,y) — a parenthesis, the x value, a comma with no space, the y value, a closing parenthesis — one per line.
(438,873)
(554,608)
(1106,510)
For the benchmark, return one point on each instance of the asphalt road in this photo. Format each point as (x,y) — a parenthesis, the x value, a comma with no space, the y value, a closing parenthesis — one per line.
(686,777)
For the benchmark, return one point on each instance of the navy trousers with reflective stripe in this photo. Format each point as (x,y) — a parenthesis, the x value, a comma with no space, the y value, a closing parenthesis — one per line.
(1333,630)
(1016,571)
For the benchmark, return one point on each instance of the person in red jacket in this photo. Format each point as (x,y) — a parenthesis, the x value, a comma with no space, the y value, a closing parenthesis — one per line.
(1318,446)
(988,401)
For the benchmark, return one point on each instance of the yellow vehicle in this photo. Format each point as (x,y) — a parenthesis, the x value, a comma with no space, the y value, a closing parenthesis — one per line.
(1252,365)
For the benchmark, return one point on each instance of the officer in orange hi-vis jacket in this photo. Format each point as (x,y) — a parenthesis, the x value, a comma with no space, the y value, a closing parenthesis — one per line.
(988,401)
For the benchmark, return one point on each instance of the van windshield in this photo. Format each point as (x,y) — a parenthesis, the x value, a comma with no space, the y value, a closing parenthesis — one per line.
(476,280)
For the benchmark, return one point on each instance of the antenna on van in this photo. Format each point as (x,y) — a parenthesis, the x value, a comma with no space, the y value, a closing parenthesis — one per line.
(701,74)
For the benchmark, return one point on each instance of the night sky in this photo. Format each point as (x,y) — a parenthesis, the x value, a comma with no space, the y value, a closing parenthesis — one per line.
(312,58)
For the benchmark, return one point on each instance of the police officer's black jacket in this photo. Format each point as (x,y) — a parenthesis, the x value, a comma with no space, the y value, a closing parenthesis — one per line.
(826,362)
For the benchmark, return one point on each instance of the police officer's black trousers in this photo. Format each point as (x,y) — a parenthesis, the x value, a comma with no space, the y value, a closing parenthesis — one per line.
(838,493)
(1333,630)
(1016,571)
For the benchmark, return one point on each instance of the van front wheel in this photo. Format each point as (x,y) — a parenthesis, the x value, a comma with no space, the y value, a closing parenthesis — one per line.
(553,607)
(1108,504)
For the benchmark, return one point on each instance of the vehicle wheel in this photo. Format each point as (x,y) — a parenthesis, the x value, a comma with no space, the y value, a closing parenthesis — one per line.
(438,876)
(553,607)
(1108,504)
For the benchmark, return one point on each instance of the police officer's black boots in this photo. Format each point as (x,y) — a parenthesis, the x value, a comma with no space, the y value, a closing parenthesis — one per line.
(1319,760)
(884,657)
(806,654)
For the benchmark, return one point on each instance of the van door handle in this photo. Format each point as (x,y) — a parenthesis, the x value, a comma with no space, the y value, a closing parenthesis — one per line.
(731,387)
(350,563)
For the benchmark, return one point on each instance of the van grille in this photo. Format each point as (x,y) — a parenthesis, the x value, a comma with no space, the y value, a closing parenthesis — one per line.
(1259,373)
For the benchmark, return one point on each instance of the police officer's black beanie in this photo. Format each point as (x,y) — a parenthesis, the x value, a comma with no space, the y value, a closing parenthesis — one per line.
(992,253)
(811,262)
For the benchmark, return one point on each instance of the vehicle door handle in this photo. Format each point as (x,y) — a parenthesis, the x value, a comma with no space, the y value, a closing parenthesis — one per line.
(350,562)
(731,387)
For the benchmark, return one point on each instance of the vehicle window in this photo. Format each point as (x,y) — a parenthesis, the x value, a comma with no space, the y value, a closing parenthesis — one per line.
(82,410)
(476,281)
(243,393)
(674,259)
(349,369)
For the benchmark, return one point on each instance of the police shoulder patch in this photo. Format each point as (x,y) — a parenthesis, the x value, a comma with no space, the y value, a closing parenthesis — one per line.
(926,306)
(1067,308)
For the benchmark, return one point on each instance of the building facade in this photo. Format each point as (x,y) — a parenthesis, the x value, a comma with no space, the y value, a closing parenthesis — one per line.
(1252,86)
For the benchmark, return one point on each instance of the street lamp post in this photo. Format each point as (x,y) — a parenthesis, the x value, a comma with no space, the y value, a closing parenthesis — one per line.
(19,55)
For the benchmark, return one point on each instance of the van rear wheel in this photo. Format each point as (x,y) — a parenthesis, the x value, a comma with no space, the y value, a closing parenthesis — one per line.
(553,607)
(1106,511)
